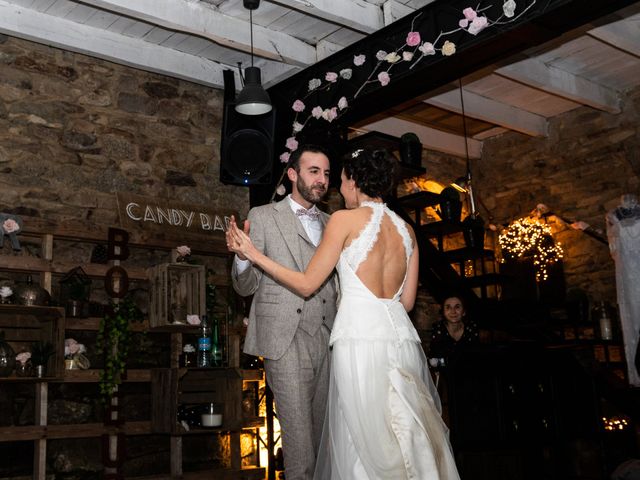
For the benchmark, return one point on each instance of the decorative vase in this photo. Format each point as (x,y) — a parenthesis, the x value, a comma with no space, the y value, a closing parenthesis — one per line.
(450,210)
(31,294)
(474,236)
(7,358)
(411,153)
(24,369)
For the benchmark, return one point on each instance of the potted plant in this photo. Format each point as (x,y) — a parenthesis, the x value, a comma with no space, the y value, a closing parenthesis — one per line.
(473,231)
(411,149)
(450,205)
(40,353)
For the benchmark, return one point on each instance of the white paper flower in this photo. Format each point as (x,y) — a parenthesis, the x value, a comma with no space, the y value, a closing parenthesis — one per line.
(381,54)
(407,56)
(392,57)
(427,48)
(314,83)
(297,126)
(193,319)
(5,292)
(342,103)
(281,190)
(359,60)
(188,348)
(346,73)
(509,8)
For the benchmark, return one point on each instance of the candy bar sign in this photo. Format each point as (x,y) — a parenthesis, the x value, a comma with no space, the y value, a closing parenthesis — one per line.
(168,215)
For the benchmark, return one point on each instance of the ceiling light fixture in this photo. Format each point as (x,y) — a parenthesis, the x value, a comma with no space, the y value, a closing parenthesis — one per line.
(253,99)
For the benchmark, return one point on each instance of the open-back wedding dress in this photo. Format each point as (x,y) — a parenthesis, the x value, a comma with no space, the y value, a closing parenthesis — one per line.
(383,413)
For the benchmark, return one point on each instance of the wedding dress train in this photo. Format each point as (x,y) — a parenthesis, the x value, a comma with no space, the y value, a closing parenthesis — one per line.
(383,413)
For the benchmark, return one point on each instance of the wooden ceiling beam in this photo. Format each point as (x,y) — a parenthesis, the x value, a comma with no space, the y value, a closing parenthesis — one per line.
(42,28)
(430,137)
(354,14)
(483,108)
(623,34)
(537,74)
(202,20)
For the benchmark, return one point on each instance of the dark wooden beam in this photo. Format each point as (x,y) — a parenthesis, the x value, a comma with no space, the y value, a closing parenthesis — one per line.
(546,20)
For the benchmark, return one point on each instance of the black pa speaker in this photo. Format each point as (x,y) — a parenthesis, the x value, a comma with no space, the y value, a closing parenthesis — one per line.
(246,148)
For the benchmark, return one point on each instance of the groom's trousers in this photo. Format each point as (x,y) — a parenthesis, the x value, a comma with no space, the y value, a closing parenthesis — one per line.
(300,382)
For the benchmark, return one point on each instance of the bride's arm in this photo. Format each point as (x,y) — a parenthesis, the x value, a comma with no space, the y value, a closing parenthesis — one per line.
(408,297)
(320,267)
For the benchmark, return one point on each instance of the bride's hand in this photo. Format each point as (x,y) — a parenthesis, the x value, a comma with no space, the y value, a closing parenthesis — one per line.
(239,242)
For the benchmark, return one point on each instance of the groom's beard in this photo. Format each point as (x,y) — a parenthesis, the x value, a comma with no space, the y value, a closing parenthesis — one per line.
(311,193)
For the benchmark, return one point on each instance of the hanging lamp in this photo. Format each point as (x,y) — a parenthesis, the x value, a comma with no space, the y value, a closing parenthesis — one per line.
(253,99)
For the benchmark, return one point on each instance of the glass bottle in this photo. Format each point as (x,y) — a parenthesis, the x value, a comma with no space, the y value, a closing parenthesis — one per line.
(204,343)
(606,332)
(216,346)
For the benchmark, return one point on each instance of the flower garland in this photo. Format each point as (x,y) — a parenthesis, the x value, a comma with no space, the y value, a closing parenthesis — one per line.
(525,237)
(414,50)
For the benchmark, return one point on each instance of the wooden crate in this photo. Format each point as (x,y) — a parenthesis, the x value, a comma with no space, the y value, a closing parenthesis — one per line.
(172,387)
(24,325)
(177,290)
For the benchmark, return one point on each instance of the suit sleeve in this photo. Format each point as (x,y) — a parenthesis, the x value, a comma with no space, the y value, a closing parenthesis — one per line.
(246,283)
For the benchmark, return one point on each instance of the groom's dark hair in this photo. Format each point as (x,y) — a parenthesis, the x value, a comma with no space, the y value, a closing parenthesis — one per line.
(294,159)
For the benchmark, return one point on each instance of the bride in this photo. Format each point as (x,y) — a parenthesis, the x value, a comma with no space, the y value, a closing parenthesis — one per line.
(383,413)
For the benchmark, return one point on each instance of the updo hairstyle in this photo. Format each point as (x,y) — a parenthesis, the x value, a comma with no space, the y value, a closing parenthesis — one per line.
(372,170)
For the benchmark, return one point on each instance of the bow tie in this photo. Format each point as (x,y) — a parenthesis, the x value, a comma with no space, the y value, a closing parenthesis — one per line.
(313,215)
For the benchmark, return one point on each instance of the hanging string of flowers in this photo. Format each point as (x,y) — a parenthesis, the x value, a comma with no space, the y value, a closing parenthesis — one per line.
(528,237)
(413,51)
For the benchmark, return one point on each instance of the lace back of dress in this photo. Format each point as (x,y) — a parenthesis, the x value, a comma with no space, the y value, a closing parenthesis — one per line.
(358,250)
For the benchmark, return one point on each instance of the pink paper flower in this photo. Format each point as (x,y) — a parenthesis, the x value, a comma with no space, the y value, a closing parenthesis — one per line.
(463,23)
(384,78)
(407,56)
(331,77)
(292,143)
(284,157)
(298,106)
(381,54)
(23,357)
(359,60)
(342,103)
(478,24)
(193,319)
(470,14)
(316,112)
(413,39)
(183,251)
(10,226)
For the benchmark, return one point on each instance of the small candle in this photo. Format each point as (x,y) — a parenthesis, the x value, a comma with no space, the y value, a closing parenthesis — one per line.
(211,419)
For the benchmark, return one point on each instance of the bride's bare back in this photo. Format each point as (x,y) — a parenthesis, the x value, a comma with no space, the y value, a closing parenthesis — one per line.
(385,266)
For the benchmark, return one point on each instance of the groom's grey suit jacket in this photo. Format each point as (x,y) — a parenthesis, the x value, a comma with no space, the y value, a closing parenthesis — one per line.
(277,312)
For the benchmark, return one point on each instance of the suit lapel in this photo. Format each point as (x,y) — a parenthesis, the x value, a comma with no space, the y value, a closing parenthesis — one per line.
(291,230)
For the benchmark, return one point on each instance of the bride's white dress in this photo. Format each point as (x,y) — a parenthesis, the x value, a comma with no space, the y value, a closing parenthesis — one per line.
(383,413)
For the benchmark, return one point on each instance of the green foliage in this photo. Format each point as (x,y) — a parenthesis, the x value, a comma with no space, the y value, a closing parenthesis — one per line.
(40,352)
(114,339)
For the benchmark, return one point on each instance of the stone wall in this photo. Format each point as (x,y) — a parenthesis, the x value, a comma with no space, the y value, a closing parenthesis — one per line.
(74,129)
(579,171)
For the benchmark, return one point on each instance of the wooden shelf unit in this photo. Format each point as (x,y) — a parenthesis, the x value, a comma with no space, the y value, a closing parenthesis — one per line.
(26,325)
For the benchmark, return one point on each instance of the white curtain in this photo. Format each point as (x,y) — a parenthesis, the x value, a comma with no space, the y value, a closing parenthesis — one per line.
(623,230)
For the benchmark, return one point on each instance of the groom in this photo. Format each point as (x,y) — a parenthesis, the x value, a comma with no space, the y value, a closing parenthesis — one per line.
(289,331)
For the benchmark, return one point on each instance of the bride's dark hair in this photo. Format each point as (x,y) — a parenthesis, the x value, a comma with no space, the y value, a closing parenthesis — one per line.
(372,170)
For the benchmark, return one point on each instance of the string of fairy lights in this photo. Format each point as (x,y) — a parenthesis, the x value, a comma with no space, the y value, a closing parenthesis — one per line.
(528,237)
